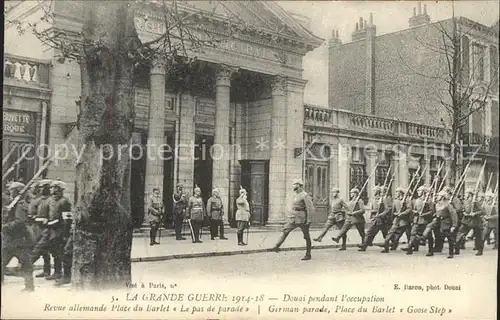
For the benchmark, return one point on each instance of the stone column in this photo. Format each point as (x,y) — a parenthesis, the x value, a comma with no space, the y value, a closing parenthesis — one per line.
(278,158)
(402,161)
(294,131)
(344,167)
(185,136)
(221,151)
(371,162)
(156,130)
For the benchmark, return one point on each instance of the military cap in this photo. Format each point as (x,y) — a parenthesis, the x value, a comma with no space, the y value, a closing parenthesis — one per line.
(422,188)
(197,188)
(179,185)
(402,190)
(215,190)
(469,190)
(58,184)
(335,190)
(442,193)
(383,189)
(298,181)
(447,189)
(377,188)
(480,194)
(242,191)
(489,194)
(354,190)
(16,185)
(44,182)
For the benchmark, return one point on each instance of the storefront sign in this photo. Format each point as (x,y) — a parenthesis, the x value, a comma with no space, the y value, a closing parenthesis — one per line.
(18,122)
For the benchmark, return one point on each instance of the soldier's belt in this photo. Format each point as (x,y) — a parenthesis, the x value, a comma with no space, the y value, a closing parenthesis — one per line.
(67,215)
(52,222)
(299,209)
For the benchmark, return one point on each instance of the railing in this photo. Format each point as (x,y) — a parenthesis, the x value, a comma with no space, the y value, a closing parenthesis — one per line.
(28,70)
(488,144)
(342,119)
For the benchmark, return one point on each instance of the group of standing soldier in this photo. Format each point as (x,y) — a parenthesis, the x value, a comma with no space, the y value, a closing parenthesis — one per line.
(38,224)
(193,212)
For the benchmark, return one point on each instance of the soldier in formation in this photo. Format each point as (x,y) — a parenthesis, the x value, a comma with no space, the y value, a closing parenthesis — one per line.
(471,220)
(355,212)
(381,216)
(155,213)
(402,211)
(491,217)
(422,215)
(336,217)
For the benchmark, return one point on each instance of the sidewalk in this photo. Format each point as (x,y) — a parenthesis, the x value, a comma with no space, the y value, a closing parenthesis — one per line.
(259,240)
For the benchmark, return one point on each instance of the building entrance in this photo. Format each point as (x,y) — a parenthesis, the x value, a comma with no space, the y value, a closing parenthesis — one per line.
(203,165)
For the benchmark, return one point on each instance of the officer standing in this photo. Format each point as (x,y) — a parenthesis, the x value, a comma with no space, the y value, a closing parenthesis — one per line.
(336,216)
(215,210)
(42,217)
(155,212)
(355,212)
(59,226)
(180,203)
(299,216)
(471,220)
(16,241)
(195,214)
(491,217)
(402,217)
(422,211)
(36,229)
(381,207)
(242,215)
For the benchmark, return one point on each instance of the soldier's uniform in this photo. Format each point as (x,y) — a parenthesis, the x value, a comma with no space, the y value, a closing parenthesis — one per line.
(180,203)
(215,210)
(242,216)
(402,220)
(16,241)
(35,228)
(299,216)
(471,220)
(457,204)
(355,217)
(336,216)
(42,219)
(422,216)
(195,214)
(155,211)
(381,219)
(491,217)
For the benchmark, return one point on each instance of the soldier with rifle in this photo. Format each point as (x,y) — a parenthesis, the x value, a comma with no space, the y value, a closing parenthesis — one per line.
(423,211)
(336,216)
(16,241)
(448,219)
(471,220)
(180,203)
(402,209)
(491,217)
(355,211)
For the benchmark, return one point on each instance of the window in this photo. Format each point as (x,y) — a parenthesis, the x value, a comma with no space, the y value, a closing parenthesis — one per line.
(478,61)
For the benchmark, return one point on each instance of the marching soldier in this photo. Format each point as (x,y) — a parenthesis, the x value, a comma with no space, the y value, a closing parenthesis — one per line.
(448,221)
(402,217)
(382,206)
(16,240)
(299,216)
(155,212)
(422,211)
(336,216)
(471,220)
(180,203)
(491,218)
(242,215)
(215,211)
(195,215)
(438,237)
(457,204)
(42,219)
(354,217)
(36,229)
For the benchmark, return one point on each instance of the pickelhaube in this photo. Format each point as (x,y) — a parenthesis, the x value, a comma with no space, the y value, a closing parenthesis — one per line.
(58,184)
(354,190)
(16,185)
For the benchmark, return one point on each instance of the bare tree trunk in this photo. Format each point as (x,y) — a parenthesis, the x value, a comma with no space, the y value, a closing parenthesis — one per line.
(103,232)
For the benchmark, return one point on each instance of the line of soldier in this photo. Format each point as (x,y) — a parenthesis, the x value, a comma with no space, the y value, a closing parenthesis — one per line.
(39,225)
(422,219)
(193,212)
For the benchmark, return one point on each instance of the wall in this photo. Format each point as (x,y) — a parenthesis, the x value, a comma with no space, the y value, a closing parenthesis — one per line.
(258,128)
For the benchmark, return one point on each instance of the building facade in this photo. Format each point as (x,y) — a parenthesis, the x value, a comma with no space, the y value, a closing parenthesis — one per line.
(240,121)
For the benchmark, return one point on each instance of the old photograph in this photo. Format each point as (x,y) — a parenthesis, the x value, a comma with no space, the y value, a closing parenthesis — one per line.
(168,159)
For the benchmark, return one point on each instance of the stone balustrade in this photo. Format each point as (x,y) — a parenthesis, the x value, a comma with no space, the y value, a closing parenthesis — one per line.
(342,119)
(31,71)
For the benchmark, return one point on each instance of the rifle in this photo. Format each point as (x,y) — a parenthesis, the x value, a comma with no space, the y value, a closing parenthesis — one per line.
(383,197)
(18,161)
(6,158)
(433,185)
(495,197)
(476,189)
(487,186)
(464,174)
(363,188)
(403,201)
(384,186)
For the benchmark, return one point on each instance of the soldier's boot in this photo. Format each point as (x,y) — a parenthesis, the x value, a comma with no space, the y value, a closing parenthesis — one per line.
(55,276)
(57,269)
(282,238)
(430,244)
(241,240)
(43,274)
(64,280)
(320,237)
(343,247)
(222,234)
(386,247)
(479,252)
(451,249)
(151,237)
(308,250)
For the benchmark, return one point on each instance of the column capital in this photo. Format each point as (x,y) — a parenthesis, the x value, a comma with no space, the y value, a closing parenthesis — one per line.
(223,73)
(278,84)
(157,67)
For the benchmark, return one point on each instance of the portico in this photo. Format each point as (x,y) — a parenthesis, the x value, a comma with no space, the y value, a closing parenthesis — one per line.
(236,121)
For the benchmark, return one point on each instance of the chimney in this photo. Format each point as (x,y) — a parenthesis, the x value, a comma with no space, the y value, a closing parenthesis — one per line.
(363,28)
(419,19)
(335,39)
